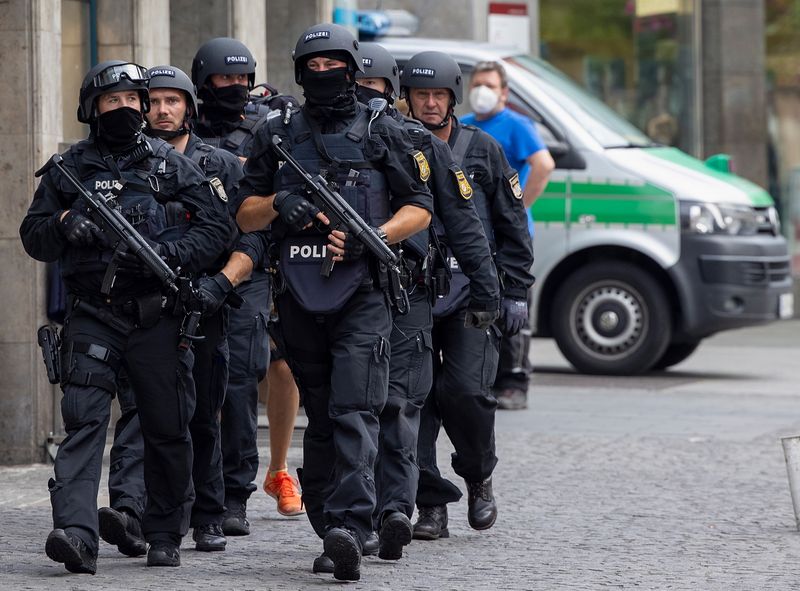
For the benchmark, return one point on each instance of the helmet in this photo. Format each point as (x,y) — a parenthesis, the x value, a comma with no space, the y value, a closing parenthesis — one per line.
(172,77)
(223,55)
(432,69)
(107,77)
(325,39)
(379,63)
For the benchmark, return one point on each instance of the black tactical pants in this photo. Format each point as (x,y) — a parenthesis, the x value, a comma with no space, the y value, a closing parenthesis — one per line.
(410,380)
(515,368)
(341,364)
(160,377)
(249,351)
(464,368)
(210,377)
(126,488)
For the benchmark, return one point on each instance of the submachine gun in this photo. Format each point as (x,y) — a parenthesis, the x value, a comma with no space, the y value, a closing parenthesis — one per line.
(123,237)
(344,218)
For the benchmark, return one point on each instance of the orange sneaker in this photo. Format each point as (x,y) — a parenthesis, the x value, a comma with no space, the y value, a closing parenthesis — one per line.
(283,487)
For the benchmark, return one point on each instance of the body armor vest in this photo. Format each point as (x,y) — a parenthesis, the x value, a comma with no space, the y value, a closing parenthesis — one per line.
(459,283)
(240,141)
(361,185)
(155,215)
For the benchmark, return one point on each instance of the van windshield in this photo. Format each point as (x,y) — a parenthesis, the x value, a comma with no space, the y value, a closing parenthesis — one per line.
(606,126)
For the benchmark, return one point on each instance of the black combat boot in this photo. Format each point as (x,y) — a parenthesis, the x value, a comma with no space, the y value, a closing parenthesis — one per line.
(431,523)
(322,564)
(164,553)
(209,538)
(395,533)
(234,520)
(123,530)
(71,551)
(344,549)
(482,511)
(371,544)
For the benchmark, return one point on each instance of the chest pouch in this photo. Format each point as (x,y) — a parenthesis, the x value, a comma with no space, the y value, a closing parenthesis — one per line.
(301,258)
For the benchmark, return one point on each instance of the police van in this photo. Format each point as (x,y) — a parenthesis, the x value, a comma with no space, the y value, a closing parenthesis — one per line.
(641,251)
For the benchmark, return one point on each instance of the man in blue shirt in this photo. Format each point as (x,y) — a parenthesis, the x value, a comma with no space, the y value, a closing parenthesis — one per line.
(527,153)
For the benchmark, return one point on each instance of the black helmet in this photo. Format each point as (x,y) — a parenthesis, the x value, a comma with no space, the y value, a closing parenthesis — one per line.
(223,55)
(432,69)
(107,77)
(326,39)
(172,77)
(379,63)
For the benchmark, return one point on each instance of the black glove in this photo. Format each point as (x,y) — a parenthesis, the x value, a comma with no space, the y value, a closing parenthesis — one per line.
(513,314)
(80,230)
(130,264)
(213,291)
(480,319)
(353,247)
(294,209)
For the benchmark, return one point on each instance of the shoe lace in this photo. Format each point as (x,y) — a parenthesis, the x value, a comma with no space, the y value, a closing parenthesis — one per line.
(237,510)
(481,489)
(286,485)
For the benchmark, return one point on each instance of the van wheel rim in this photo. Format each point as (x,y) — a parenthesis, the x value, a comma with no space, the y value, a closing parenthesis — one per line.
(609,320)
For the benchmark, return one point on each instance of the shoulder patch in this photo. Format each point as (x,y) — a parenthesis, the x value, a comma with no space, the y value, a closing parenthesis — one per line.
(218,188)
(513,182)
(423,168)
(464,188)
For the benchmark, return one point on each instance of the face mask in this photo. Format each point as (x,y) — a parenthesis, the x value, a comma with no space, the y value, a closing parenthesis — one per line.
(226,103)
(483,99)
(119,129)
(164,134)
(366,94)
(323,88)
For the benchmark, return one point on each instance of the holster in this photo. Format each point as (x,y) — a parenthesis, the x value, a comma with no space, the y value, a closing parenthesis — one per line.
(50,343)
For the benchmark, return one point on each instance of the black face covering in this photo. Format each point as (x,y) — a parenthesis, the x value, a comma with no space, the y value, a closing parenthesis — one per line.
(324,88)
(164,134)
(225,103)
(366,94)
(120,129)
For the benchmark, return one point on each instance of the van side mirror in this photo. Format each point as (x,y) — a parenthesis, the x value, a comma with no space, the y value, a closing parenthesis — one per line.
(720,162)
(565,155)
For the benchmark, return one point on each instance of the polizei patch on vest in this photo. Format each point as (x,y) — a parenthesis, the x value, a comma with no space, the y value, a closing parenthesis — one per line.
(426,72)
(422,165)
(236,59)
(317,35)
(306,252)
(219,189)
(162,72)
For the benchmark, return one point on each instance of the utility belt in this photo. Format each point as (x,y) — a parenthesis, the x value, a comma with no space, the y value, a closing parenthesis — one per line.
(126,313)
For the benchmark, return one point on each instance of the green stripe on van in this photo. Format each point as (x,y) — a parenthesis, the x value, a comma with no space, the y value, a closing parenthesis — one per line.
(758,196)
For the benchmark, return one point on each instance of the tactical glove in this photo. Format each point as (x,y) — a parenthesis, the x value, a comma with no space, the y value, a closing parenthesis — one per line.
(480,319)
(296,211)
(80,230)
(213,291)
(513,314)
(130,264)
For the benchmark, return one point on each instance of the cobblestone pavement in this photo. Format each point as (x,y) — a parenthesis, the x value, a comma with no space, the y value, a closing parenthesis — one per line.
(669,481)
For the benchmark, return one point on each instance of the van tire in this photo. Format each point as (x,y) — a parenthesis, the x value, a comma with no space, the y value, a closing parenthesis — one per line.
(611,318)
(675,353)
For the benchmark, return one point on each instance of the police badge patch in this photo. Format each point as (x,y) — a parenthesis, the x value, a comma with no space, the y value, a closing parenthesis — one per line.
(422,165)
(218,188)
(463,184)
(513,182)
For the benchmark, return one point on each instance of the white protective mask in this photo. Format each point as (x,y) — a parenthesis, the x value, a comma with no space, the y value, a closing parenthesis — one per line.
(483,99)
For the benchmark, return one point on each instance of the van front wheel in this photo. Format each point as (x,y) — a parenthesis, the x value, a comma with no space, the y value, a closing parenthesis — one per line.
(611,318)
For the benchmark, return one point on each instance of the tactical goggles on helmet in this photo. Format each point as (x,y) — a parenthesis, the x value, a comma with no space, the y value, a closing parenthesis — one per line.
(114,74)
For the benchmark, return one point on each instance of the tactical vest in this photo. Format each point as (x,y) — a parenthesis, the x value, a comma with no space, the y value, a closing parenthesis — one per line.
(459,283)
(361,185)
(155,215)
(240,141)
(421,140)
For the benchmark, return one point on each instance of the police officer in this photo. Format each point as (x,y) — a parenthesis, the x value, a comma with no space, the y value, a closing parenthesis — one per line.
(172,106)
(224,71)
(129,321)
(465,360)
(457,225)
(336,329)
